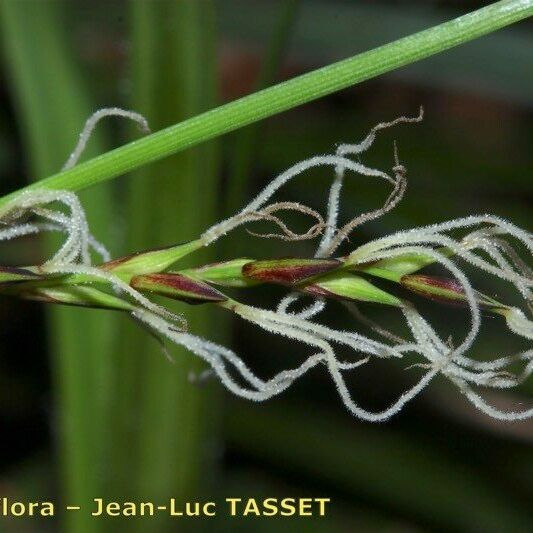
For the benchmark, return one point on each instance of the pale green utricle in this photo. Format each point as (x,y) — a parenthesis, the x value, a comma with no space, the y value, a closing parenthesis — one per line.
(151,261)
(351,287)
(9,274)
(226,273)
(393,268)
(79,296)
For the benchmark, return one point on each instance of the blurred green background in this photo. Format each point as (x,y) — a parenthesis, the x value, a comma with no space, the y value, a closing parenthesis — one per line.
(88,405)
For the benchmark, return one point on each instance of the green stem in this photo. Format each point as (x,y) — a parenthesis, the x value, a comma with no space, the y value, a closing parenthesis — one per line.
(288,95)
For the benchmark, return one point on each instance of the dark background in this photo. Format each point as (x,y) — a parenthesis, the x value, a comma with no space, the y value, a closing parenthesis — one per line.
(438,466)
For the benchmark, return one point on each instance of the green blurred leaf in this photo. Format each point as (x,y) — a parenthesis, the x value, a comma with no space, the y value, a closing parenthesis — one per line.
(52,106)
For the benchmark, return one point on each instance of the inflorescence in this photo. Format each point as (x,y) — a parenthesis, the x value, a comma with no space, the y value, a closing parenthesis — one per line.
(485,242)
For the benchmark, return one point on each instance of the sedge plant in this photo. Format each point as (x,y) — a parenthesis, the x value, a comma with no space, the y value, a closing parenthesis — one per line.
(485,242)
(82,273)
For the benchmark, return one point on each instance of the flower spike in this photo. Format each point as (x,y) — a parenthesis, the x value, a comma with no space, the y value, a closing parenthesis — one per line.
(487,243)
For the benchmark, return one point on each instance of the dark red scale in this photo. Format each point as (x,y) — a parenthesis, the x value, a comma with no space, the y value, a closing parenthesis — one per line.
(288,271)
(194,291)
